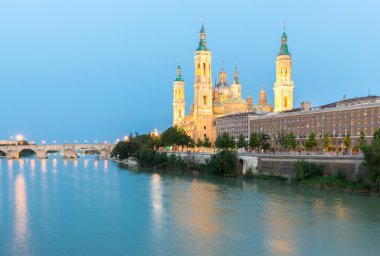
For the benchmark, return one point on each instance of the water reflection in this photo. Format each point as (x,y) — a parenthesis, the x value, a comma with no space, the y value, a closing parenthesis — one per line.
(21,243)
(156,199)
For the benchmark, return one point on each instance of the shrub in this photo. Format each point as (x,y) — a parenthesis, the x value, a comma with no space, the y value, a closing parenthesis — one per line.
(307,170)
(171,160)
(160,160)
(223,163)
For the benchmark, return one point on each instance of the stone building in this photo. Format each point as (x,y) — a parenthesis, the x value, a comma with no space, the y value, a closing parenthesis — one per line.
(338,119)
(224,98)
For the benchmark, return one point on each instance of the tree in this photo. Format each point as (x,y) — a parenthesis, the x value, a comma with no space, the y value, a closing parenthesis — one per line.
(223,163)
(125,149)
(372,160)
(362,140)
(175,136)
(281,138)
(207,142)
(311,142)
(191,143)
(290,141)
(264,141)
(347,141)
(241,143)
(199,143)
(254,140)
(327,142)
(224,141)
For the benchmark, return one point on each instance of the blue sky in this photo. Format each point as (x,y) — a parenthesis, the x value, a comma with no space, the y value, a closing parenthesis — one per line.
(99,69)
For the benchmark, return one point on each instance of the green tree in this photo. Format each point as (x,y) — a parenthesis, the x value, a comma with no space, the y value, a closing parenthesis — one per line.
(125,149)
(362,140)
(199,143)
(224,141)
(372,160)
(191,143)
(347,142)
(311,142)
(280,137)
(241,143)
(290,141)
(254,140)
(327,142)
(207,142)
(175,136)
(223,163)
(264,142)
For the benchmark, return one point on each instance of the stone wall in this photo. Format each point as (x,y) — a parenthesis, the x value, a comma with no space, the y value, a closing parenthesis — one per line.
(284,165)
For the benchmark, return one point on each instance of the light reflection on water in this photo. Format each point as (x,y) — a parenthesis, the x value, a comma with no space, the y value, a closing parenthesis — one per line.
(67,207)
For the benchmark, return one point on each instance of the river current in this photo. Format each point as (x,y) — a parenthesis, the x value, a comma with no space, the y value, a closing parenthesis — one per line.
(87,207)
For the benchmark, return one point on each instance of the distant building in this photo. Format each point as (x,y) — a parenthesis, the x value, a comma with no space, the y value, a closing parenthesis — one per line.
(338,119)
(212,102)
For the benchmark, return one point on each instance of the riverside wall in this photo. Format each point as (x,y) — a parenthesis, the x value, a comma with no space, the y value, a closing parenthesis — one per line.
(283,165)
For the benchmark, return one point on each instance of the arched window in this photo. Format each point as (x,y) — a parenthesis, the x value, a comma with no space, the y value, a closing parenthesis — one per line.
(179,114)
(204,100)
(285,102)
(199,69)
(204,69)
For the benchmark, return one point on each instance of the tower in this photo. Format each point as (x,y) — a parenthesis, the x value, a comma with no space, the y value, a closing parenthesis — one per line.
(284,86)
(236,87)
(178,98)
(203,114)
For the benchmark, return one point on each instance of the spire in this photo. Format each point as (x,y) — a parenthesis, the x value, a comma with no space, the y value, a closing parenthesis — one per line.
(179,74)
(222,75)
(236,75)
(202,42)
(284,43)
(263,94)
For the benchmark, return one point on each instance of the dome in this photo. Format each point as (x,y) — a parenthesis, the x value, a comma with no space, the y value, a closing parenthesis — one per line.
(222,89)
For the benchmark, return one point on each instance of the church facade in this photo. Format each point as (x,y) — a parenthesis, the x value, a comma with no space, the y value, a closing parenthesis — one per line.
(223,98)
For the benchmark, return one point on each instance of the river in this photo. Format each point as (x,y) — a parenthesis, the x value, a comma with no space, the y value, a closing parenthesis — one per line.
(87,207)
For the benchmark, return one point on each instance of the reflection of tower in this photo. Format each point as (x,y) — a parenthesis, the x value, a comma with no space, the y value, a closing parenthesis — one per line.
(203,89)
(179,98)
(284,86)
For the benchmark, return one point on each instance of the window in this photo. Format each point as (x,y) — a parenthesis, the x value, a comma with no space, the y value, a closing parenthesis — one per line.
(204,100)
(204,69)
(204,127)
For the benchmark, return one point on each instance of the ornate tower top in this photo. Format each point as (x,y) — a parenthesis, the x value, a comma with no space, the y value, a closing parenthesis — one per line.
(284,43)
(263,94)
(236,75)
(222,75)
(202,42)
(179,74)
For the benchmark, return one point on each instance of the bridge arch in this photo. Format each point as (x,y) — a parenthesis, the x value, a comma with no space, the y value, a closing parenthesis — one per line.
(27,152)
(2,153)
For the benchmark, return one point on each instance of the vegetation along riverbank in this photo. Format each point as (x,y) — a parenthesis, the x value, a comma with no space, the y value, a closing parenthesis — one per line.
(150,151)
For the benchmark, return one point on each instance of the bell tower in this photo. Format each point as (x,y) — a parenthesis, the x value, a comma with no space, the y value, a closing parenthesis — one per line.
(284,86)
(178,99)
(203,114)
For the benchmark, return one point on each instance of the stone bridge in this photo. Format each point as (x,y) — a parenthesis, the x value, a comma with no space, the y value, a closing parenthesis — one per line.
(66,150)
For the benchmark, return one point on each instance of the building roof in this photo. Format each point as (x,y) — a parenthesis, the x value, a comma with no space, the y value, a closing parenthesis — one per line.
(352,101)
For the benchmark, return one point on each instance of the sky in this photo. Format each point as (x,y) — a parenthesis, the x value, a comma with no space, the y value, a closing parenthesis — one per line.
(100,69)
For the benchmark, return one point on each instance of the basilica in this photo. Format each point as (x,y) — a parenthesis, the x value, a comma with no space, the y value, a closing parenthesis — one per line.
(224,98)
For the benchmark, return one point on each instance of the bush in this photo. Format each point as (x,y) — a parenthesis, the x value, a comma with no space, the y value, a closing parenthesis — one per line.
(223,163)
(180,163)
(160,160)
(145,157)
(341,175)
(171,160)
(307,170)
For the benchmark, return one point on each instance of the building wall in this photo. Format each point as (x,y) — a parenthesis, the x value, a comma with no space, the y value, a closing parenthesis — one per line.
(338,122)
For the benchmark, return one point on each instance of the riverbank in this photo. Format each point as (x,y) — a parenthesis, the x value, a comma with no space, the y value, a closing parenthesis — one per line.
(327,183)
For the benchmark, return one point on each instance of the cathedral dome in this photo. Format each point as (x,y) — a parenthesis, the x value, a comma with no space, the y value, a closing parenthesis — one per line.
(222,89)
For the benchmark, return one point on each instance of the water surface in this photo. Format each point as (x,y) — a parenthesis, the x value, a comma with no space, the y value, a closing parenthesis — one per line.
(87,207)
